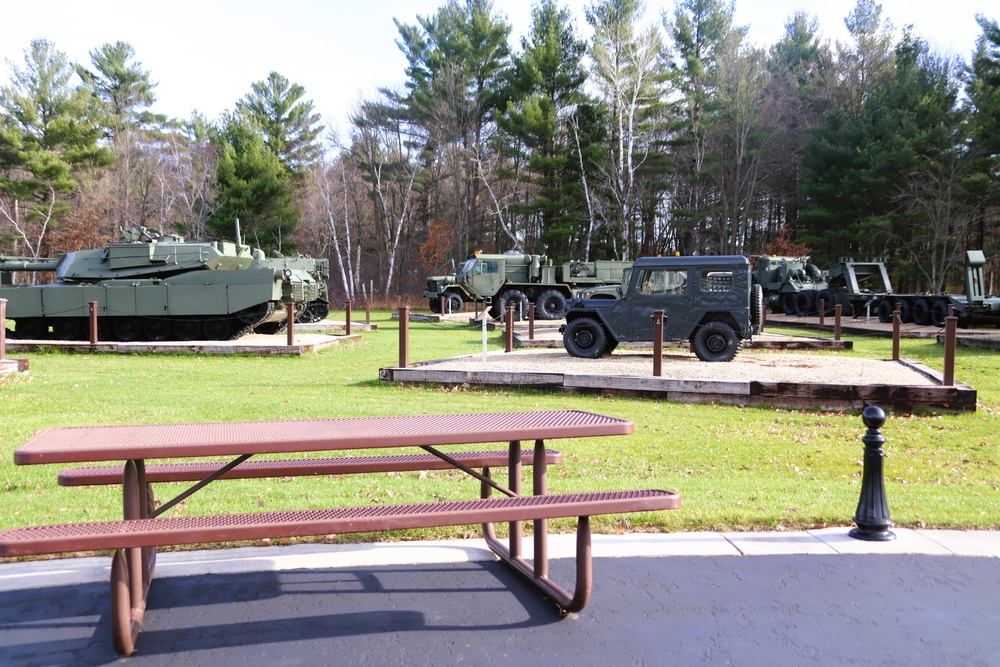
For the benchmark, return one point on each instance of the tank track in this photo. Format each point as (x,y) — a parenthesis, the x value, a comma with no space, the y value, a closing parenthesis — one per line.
(136,329)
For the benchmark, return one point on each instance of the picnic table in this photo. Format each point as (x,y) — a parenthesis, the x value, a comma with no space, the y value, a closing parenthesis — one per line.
(144,526)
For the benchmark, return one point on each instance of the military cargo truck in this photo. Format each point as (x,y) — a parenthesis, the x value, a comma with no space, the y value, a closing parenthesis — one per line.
(519,279)
(708,301)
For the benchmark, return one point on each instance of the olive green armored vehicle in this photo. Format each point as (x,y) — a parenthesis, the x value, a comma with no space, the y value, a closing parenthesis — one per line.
(154,287)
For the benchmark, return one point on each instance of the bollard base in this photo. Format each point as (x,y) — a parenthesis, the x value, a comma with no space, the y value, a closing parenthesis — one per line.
(872,535)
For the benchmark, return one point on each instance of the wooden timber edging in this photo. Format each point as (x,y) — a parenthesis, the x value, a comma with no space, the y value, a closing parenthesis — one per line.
(785,343)
(195,347)
(795,395)
(985,342)
(8,366)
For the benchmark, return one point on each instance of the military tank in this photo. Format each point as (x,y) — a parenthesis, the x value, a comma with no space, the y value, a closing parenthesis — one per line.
(153,286)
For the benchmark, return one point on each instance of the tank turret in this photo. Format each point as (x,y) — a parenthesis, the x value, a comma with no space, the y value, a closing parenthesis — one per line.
(155,286)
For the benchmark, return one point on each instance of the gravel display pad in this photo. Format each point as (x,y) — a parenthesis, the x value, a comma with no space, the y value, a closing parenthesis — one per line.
(677,364)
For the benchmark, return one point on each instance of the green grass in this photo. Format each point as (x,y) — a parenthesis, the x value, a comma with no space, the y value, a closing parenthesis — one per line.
(736,468)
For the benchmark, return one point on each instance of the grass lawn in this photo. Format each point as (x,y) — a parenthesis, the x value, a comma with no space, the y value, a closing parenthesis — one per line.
(736,468)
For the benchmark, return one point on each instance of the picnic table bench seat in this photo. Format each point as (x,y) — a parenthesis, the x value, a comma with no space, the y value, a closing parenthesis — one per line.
(341,465)
(132,565)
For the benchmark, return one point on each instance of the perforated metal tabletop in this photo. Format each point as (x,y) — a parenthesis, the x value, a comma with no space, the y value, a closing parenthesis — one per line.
(154,441)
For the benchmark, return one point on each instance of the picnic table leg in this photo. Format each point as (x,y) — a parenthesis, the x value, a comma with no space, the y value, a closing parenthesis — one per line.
(541,526)
(131,568)
(514,484)
(537,573)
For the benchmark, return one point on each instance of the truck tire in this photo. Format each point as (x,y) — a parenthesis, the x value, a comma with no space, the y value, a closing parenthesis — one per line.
(453,303)
(716,341)
(515,297)
(550,305)
(885,311)
(922,312)
(757,308)
(905,311)
(788,303)
(939,311)
(805,303)
(435,305)
(829,298)
(585,337)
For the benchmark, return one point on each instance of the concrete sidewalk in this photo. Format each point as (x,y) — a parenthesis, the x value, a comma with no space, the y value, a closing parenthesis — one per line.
(782,598)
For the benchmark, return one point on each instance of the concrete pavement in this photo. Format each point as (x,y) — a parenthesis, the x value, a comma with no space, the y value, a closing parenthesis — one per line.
(782,598)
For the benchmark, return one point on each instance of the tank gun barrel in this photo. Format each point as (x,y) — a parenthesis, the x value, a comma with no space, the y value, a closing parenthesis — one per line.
(26,264)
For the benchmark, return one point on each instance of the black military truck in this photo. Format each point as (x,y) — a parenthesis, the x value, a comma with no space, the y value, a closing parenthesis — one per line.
(708,301)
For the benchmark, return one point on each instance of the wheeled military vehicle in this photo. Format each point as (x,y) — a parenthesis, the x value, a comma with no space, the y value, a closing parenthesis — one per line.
(708,301)
(154,286)
(975,307)
(519,280)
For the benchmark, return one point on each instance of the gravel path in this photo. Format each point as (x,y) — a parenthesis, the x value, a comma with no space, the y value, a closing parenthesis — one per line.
(681,364)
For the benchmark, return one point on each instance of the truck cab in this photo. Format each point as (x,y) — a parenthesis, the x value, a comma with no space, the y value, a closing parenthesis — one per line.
(708,301)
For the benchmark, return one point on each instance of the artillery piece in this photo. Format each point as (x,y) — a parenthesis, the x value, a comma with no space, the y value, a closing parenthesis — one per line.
(153,287)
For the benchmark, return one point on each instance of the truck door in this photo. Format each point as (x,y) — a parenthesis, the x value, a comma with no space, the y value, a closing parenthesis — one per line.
(660,289)
(486,277)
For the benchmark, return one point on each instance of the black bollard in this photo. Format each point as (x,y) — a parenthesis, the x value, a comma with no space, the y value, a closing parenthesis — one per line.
(872,518)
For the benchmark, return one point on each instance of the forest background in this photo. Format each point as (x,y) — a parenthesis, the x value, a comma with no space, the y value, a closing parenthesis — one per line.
(641,138)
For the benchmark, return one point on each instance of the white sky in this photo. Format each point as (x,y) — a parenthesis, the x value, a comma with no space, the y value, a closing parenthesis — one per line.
(205,54)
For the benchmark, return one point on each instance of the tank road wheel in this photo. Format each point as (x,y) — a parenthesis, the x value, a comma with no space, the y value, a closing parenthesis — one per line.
(550,305)
(67,328)
(317,311)
(30,328)
(187,329)
(126,329)
(716,341)
(585,337)
(922,311)
(757,308)
(218,328)
(156,329)
(939,311)
(255,314)
(270,328)
(885,311)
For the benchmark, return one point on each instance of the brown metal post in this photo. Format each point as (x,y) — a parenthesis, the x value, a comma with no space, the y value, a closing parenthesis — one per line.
(290,322)
(347,315)
(896,318)
(822,312)
(93,323)
(950,340)
(443,306)
(508,333)
(404,336)
(368,312)
(657,343)
(3,329)
(531,321)
(838,311)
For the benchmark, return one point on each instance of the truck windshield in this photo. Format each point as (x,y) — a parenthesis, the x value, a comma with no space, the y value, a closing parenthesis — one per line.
(466,268)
